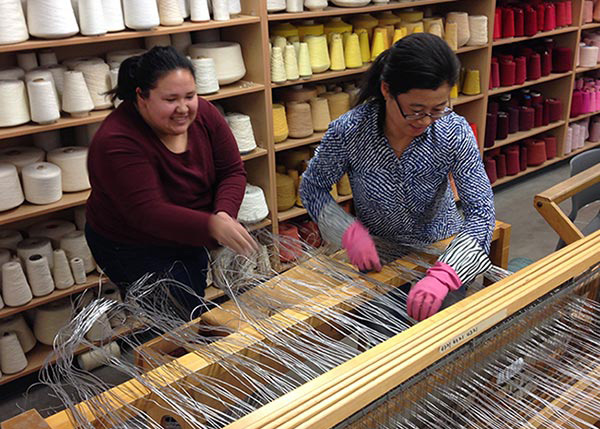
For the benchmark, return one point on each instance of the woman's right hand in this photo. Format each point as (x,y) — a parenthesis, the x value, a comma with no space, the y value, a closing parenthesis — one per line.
(230,233)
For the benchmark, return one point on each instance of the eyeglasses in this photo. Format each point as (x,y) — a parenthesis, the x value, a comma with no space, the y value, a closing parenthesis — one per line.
(416,116)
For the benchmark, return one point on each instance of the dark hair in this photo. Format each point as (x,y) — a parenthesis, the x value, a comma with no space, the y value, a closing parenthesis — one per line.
(143,71)
(418,61)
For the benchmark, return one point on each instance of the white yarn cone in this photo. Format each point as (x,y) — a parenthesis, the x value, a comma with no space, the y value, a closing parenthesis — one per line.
(43,103)
(100,330)
(113,15)
(12,73)
(49,319)
(91,18)
(228,58)
(169,13)
(12,357)
(291,63)
(184,8)
(206,76)
(47,140)
(58,74)
(294,5)
(141,14)
(117,316)
(10,238)
(38,274)
(181,42)
(85,133)
(54,229)
(45,74)
(11,194)
(63,278)
(51,19)
(151,42)
(277,65)
(80,218)
(35,246)
(21,156)
(254,205)
(276,5)
(76,99)
(97,357)
(234,7)
(241,127)
(27,60)
(199,10)
(97,79)
(78,270)
(220,10)
(14,105)
(15,289)
(13,28)
(18,325)
(72,161)
(122,55)
(47,57)
(42,183)
(75,246)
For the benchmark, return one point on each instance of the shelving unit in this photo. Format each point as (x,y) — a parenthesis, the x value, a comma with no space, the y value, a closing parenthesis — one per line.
(254,96)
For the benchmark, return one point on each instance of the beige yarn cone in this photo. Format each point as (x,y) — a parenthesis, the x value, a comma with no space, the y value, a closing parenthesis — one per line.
(319,108)
(291,63)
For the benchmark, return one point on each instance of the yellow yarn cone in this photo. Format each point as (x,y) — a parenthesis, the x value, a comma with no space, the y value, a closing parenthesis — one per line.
(471,85)
(363,39)
(304,67)
(337,52)
(366,21)
(451,35)
(410,15)
(384,33)
(399,33)
(279,42)
(389,29)
(291,63)
(454,91)
(378,45)
(277,65)
(284,29)
(387,17)
(309,28)
(280,127)
(352,53)
(319,54)
(336,25)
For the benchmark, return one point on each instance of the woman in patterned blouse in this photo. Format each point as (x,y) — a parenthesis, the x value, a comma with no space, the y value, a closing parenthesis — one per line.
(398,146)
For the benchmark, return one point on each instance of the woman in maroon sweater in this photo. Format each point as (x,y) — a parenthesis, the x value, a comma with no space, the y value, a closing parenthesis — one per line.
(167,178)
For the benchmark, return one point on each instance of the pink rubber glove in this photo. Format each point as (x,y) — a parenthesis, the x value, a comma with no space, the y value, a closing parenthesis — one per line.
(426,296)
(360,248)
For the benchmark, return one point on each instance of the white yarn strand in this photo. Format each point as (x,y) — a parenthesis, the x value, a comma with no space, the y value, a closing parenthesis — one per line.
(63,278)
(22,156)
(35,246)
(78,270)
(91,18)
(75,246)
(254,205)
(113,15)
(14,104)
(15,289)
(11,193)
(141,14)
(76,100)
(54,229)
(241,127)
(206,76)
(169,13)
(51,19)
(12,357)
(72,161)
(43,103)
(13,28)
(38,274)
(42,183)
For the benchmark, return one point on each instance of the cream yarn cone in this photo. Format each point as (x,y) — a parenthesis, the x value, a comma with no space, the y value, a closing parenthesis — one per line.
(78,270)
(12,357)
(206,76)
(337,53)
(315,4)
(42,183)
(352,54)
(54,229)
(18,325)
(279,42)
(91,18)
(63,279)
(462,21)
(38,273)
(304,67)
(116,316)
(33,246)
(76,100)
(339,103)
(100,330)
(169,13)
(49,319)
(319,108)
(319,54)
(11,193)
(277,65)
(15,288)
(75,246)
(291,63)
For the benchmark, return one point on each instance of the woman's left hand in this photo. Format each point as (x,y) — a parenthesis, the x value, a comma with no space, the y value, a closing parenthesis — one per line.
(230,233)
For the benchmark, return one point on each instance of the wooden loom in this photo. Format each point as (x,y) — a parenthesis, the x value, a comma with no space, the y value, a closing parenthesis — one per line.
(336,395)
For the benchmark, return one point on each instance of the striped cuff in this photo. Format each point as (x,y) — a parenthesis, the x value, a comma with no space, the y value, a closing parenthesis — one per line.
(466,257)
(333,222)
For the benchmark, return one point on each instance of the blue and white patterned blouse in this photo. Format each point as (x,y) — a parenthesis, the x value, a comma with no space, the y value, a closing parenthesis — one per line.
(406,199)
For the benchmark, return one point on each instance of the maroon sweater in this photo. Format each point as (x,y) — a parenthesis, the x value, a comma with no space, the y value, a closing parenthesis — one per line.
(143,193)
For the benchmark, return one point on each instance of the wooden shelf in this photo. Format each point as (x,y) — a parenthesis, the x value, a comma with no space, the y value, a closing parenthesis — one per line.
(292,143)
(551,76)
(128,34)
(535,36)
(469,49)
(256,153)
(92,281)
(299,211)
(586,69)
(585,115)
(339,11)
(28,210)
(323,76)
(590,25)
(259,225)
(211,293)
(506,179)
(514,137)
(462,99)
(235,89)
(41,352)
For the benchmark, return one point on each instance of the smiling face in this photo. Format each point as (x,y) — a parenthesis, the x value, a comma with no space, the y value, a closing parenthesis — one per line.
(170,107)
(413,102)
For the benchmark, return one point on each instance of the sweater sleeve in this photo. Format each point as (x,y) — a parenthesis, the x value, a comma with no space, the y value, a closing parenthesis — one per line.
(229,168)
(328,165)
(136,192)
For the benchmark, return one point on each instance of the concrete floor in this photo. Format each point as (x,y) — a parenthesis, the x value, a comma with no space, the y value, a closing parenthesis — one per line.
(531,238)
